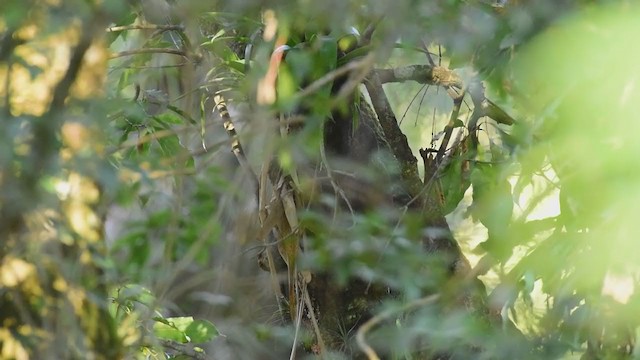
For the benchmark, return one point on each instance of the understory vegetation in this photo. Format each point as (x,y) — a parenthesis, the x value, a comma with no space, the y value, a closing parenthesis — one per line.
(331,179)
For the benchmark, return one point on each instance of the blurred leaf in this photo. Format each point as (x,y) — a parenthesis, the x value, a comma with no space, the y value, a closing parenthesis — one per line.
(172,329)
(184,329)
(493,207)
(458,123)
(201,331)
(455,182)
(238,65)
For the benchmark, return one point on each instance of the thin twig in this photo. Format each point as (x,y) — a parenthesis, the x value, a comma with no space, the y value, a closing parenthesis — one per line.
(411,102)
(297,331)
(142,67)
(148,51)
(367,34)
(157,135)
(330,77)
(314,321)
(367,326)
(336,188)
(264,215)
(441,76)
(426,49)
(355,79)
(145,27)
(184,350)
(449,128)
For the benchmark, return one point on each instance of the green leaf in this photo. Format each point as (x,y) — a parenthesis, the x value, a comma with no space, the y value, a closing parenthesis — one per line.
(170,329)
(159,219)
(326,61)
(356,53)
(286,87)
(493,207)
(454,184)
(237,65)
(184,329)
(299,62)
(170,145)
(201,331)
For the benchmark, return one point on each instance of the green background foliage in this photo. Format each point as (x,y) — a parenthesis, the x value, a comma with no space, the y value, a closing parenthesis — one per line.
(129,228)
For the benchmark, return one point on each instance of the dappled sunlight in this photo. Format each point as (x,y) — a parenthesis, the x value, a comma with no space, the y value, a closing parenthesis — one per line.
(44,60)
(401,180)
(582,74)
(620,288)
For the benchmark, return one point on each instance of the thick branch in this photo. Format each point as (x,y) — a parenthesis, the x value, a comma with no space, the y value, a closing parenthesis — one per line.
(424,74)
(394,136)
(8,42)
(61,90)
(440,76)
(148,51)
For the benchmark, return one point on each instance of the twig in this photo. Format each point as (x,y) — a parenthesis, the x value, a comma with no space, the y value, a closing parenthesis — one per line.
(428,54)
(411,103)
(145,27)
(184,350)
(336,188)
(355,79)
(441,76)
(157,135)
(314,321)
(330,77)
(148,51)
(142,67)
(367,326)
(476,91)
(264,215)
(367,34)
(295,336)
(449,128)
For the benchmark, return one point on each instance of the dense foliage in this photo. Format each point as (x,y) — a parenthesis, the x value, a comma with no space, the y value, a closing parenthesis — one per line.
(331,179)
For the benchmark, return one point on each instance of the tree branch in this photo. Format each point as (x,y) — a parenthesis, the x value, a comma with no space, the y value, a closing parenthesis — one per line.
(424,74)
(8,42)
(145,27)
(441,76)
(449,128)
(330,77)
(394,136)
(148,51)
(365,39)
